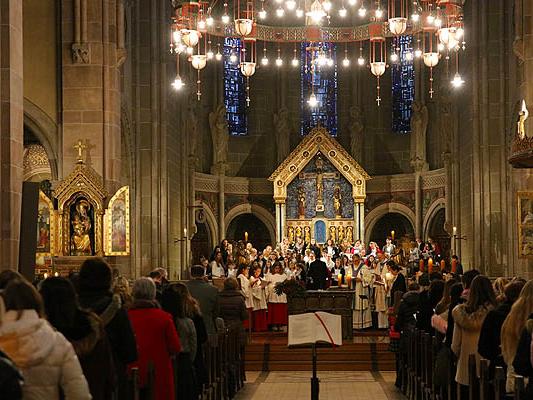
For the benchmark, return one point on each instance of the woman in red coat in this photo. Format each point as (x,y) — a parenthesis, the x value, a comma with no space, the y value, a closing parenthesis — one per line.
(156,337)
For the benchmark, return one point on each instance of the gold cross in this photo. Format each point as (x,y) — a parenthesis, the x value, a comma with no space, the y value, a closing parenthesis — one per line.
(80,146)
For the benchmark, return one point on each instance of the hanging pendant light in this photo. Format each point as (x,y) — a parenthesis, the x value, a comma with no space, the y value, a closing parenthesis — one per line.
(377,62)
(190,37)
(397,17)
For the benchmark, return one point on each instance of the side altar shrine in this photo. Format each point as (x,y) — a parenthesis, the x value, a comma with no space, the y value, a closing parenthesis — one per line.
(319,194)
(80,219)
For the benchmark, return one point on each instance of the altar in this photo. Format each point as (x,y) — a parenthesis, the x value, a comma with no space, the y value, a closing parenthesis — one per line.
(319,192)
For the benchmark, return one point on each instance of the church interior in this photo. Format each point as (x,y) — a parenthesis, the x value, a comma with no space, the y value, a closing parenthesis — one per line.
(158,134)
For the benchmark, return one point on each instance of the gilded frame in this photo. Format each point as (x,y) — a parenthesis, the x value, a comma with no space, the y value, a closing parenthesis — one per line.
(122,194)
(43,198)
(525,224)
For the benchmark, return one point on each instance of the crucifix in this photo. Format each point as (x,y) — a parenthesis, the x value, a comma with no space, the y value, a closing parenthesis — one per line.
(319,175)
(80,147)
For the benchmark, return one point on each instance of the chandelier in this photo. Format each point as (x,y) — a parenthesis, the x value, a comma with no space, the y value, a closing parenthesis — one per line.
(368,26)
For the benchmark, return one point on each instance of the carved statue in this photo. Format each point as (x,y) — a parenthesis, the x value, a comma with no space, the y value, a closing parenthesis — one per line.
(349,234)
(419,124)
(301,202)
(219,134)
(340,233)
(283,134)
(291,234)
(80,243)
(307,234)
(356,133)
(337,200)
(332,233)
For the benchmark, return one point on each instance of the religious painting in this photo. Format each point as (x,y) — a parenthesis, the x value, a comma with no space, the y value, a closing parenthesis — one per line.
(82,224)
(45,226)
(320,232)
(525,224)
(117,224)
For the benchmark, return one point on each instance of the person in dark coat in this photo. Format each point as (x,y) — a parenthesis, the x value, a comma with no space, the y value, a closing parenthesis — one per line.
(94,284)
(232,308)
(399,283)
(206,295)
(85,331)
(455,299)
(317,273)
(523,362)
(11,379)
(489,345)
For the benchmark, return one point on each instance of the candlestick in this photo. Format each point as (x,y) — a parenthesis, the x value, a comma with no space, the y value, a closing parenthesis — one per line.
(349,280)
(56,273)
(392,234)
(185,232)
(45,275)
(454,265)
(246,236)
(430,266)
(421,265)
(339,280)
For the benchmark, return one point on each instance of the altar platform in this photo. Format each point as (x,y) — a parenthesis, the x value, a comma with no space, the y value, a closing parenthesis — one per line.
(366,351)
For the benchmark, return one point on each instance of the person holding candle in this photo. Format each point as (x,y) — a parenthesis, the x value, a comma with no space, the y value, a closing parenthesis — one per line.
(337,272)
(380,296)
(362,277)
(389,247)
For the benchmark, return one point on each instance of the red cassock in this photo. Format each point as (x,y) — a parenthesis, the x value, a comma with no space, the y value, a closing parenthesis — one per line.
(157,340)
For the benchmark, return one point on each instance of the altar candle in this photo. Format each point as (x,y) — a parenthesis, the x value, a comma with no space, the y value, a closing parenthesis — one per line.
(421,265)
(339,279)
(442,265)
(430,266)
(392,234)
(349,280)
(246,236)
(454,265)
(45,275)
(56,274)
(454,230)
(185,232)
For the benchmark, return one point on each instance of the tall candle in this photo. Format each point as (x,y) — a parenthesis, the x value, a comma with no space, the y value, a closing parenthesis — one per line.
(421,265)
(454,230)
(339,279)
(45,275)
(442,265)
(246,236)
(349,280)
(454,265)
(430,266)
(185,232)
(392,234)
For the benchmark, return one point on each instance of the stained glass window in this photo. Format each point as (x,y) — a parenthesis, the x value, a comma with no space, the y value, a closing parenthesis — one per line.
(234,88)
(323,83)
(403,84)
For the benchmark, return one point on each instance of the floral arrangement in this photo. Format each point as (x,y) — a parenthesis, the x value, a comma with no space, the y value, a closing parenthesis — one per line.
(290,287)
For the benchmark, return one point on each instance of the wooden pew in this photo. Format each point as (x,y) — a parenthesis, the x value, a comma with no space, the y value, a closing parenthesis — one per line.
(473,380)
(519,388)
(499,383)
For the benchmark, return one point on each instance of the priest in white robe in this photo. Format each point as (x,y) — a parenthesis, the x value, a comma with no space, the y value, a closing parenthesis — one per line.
(362,278)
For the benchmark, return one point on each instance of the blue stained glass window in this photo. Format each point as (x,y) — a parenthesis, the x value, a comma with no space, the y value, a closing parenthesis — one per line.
(234,88)
(324,84)
(403,84)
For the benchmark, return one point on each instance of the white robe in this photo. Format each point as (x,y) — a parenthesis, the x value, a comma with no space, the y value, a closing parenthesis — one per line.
(258,294)
(272,297)
(362,316)
(246,290)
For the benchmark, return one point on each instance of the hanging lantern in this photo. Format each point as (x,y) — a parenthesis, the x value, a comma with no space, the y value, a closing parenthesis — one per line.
(244,26)
(190,37)
(398,25)
(377,61)
(377,68)
(448,37)
(431,59)
(199,61)
(248,68)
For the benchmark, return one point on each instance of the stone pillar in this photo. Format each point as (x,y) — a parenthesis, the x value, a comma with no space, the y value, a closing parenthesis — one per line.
(418,166)
(11,131)
(359,219)
(221,204)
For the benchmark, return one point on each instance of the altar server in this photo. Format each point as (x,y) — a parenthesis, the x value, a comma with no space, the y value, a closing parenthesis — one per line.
(362,276)
(246,290)
(277,304)
(259,313)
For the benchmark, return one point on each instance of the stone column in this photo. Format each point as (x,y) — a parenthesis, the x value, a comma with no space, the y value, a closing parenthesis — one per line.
(418,167)
(359,219)
(221,204)
(11,131)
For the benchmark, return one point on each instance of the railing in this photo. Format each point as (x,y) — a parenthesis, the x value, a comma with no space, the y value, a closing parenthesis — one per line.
(417,363)
(223,357)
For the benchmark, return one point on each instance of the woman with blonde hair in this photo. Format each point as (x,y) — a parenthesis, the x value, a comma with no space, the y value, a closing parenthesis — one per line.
(512,329)
(499,286)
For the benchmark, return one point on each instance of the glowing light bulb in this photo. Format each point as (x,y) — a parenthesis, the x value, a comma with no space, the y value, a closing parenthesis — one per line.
(262,14)
(326,5)
(209,21)
(394,57)
(345,62)
(362,11)
(459,33)
(201,25)
(409,56)
(295,62)
(218,56)
(361,61)
(280,12)
(352,2)
(264,61)
(178,83)
(299,13)
(430,19)
(190,50)
(279,62)
(210,55)
(379,13)
(457,81)
(415,17)
(313,102)
(290,4)
(343,12)
(225,19)
(329,61)
(418,53)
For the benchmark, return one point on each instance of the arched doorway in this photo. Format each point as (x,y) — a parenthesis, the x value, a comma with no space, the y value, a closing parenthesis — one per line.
(258,233)
(200,243)
(402,227)
(437,233)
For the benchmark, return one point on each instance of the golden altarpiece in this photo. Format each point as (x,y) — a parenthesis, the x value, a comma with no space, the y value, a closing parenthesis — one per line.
(319,192)
(81,221)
